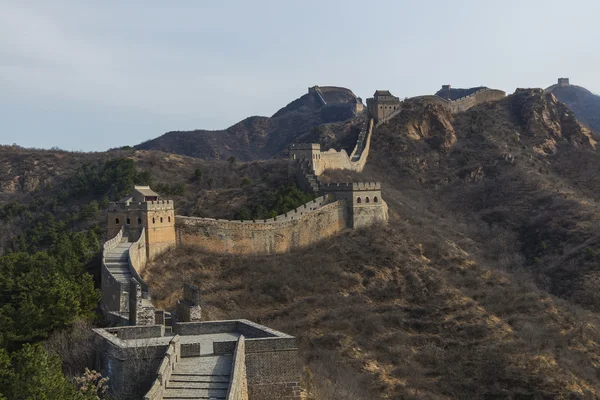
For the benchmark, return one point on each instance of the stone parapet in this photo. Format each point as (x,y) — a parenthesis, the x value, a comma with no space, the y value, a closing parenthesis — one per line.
(165,369)
(351,186)
(238,386)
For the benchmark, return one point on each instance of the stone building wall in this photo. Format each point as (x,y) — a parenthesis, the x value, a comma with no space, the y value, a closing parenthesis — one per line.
(160,230)
(131,370)
(156,217)
(479,97)
(299,228)
(365,204)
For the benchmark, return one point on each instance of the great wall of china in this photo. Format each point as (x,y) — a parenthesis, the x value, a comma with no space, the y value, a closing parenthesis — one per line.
(234,360)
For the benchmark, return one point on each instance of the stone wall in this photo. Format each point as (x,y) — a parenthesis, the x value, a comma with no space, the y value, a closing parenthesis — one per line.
(160,230)
(138,259)
(321,161)
(365,204)
(188,308)
(165,369)
(141,312)
(112,297)
(274,374)
(238,386)
(131,370)
(296,229)
(479,97)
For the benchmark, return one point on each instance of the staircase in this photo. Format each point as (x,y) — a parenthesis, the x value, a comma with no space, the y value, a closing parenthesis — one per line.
(117,262)
(204,377)
(310,177)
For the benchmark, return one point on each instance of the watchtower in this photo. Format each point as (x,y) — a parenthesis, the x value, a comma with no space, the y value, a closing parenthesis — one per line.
(365,205)
(562,82)
(446,87)
(382,104)
(144,210)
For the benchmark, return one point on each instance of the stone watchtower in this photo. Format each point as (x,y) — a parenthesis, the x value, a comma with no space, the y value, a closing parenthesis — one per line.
(562,82)
(365,205)
(382,104)
(144,210)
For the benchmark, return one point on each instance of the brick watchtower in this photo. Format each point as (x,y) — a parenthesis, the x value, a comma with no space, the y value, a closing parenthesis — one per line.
(365,205)
(144,209)
(382,104)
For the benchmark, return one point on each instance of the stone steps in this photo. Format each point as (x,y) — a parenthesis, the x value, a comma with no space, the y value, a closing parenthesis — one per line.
(216,394)
(207,384)
(205,377)
(199,378)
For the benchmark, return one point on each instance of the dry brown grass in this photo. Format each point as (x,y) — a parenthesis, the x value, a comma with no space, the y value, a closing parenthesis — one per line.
(456,298)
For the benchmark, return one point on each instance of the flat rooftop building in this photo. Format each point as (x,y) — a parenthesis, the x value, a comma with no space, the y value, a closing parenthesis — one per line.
(214,359)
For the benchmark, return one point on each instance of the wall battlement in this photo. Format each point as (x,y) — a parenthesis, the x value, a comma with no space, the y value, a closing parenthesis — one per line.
(354,186)
(305,146)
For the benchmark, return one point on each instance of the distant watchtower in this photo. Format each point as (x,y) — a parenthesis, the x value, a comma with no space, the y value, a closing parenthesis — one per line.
(144,210)
(382,104)
(364,202)
(562,82)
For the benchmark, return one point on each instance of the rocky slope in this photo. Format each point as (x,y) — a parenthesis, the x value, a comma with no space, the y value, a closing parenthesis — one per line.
(584,103)
(258,138)
(482,286)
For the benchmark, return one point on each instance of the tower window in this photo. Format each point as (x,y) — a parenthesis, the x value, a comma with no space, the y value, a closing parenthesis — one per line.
(169,219)
(375,199)
(367,200)
(161,220)
(358,200)
(117,221)
(153,220)
(139,221)
(128,221)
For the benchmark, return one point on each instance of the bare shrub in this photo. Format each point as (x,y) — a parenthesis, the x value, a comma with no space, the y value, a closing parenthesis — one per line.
(75,346)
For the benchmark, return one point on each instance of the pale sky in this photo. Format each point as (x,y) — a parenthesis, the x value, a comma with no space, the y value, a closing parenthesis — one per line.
(91,75)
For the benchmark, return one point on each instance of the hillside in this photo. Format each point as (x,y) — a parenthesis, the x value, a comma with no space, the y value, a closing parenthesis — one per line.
(484,284)
(584,103)
(259,138)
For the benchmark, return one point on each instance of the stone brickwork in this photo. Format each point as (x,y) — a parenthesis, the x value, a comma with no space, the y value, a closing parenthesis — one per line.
(365,205)
(165,369)
(296,229)
(137,213)
(479,97)
(141,311)
(262,367)
(188,308)
(238,387)
(273,375)
(382,105)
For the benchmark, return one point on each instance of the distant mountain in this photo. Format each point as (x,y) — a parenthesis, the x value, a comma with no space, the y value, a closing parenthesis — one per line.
(584,103)
(256,138)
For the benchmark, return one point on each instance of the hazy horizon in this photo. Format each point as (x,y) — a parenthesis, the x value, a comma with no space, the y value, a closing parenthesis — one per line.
(92,77)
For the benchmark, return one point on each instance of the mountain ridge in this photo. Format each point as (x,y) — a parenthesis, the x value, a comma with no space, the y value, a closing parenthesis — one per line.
(258,137)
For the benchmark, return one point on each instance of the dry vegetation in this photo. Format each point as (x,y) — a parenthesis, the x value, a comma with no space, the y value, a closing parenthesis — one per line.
(484,284)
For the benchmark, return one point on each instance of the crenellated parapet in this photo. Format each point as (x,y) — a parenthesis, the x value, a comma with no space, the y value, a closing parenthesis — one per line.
(354,186)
